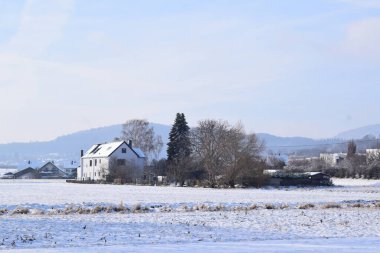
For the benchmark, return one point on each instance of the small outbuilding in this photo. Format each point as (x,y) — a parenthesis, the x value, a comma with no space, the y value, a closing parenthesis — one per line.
(8,175)
(281,178)
(28,173)
(51,171)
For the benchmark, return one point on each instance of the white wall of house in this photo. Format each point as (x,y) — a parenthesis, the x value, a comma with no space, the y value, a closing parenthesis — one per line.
(97,167)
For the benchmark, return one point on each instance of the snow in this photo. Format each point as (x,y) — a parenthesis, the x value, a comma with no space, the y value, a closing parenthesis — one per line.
(51,192)
(179,219)
(335,245)
(356,182)
(139,152)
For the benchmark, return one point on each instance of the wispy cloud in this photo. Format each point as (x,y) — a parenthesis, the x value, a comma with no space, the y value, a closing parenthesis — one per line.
(363,3)
(363,39)
(42,22)
(207,60)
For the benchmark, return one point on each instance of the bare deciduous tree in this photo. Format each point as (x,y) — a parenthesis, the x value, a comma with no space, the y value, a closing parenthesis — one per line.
(125,171)
(275,162)
(225,152)
(243,153)
(209,140)
(143,137)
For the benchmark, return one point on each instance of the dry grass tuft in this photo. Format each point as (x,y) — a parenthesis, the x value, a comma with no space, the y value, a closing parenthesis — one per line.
(306,206)
(137,208)
(253,207)
(20,210)
(98,209)
(358,205)
(332,205)
(284,206)
(120,208)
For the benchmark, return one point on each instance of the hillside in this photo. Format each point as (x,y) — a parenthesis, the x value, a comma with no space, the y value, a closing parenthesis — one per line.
(360,132)
(67,147)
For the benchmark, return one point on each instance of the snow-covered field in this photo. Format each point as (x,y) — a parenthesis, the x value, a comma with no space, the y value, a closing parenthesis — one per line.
(54,216)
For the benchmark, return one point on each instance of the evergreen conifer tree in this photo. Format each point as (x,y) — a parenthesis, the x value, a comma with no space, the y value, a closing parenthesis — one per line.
(179,139)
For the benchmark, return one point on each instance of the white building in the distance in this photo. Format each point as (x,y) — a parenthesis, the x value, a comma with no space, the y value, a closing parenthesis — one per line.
(372,154)
(95,163)
(333,159)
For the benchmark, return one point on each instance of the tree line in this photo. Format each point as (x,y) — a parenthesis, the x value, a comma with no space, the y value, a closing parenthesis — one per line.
(215,153)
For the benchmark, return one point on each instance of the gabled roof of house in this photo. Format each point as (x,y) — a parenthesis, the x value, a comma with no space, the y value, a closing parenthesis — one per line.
(106,149)
(43,166)
(40,170)
(24,171)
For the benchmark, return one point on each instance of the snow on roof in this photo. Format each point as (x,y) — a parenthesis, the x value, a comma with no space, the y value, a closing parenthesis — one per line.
(102,150)
(313,173)
(270,172)
(139,152)
(106,149)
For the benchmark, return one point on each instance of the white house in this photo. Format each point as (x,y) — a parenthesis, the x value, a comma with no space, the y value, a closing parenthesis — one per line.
(95,163)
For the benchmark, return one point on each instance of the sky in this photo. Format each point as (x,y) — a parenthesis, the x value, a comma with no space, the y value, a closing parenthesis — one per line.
(289,68)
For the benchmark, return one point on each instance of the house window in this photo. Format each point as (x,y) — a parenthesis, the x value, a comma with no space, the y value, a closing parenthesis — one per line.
(120,162)
(100,161)
(95,162)
(90,162)
(123,150)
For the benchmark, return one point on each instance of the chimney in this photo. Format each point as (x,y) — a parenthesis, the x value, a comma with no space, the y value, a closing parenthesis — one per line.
(81,152)
(130,143)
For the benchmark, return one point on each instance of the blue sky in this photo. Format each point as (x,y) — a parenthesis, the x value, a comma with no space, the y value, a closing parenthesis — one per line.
(305,68)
